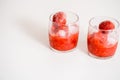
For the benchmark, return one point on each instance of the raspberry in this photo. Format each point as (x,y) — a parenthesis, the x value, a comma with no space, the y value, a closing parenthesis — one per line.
(106,25)
(59,18)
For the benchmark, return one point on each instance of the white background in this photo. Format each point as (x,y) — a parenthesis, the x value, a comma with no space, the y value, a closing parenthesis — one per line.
(24,50)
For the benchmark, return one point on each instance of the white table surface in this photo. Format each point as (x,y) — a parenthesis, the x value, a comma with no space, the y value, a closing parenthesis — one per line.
(24,50)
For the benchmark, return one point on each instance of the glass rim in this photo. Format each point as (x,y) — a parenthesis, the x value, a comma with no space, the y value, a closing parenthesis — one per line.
(107,18)
(73,13)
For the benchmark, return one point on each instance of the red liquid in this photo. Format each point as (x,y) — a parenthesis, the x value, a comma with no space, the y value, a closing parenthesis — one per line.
(98,45)
(63,43)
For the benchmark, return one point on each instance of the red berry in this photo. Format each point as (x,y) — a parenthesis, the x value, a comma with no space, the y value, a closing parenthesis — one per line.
(59,18)
(106,25)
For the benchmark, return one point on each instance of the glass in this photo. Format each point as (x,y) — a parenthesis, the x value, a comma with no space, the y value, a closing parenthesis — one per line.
(63,31)
(103,35)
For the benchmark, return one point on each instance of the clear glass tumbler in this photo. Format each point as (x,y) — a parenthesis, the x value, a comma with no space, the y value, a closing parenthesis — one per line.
(103,35)
(63,31)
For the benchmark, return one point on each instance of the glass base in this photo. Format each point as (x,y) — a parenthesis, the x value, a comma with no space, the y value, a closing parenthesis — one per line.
(58,51)
(97,57)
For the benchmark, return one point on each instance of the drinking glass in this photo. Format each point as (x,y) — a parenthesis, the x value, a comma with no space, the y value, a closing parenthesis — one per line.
(63,36)
(102,43)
